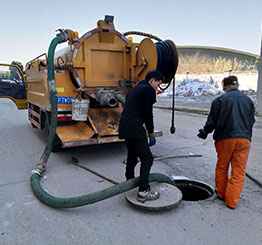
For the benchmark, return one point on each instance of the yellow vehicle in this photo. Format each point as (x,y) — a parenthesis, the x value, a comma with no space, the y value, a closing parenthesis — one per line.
(92,76)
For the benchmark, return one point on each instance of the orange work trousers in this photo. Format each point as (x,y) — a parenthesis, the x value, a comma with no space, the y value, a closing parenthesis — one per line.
(234,151)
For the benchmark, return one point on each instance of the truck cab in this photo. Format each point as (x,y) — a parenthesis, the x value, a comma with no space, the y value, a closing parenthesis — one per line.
(13,85)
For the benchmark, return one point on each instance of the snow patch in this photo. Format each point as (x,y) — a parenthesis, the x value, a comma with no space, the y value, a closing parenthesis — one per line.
(192,87)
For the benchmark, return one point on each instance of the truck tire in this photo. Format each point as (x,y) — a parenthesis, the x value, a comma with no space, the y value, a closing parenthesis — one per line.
(33,125)
(57,144)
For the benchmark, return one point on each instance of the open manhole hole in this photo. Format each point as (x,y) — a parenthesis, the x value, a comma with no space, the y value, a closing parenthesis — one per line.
(193,190)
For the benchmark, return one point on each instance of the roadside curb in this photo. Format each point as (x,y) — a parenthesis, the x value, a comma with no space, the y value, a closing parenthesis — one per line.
(191,110)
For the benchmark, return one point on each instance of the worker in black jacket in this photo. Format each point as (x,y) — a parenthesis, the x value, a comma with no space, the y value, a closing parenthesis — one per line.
(137,112)
(232,118)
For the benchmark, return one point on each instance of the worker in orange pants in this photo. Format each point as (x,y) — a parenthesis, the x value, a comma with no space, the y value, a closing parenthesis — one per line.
(231,117)
(234,151)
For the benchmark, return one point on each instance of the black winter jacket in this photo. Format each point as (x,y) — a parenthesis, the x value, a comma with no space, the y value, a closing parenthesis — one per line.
(138,110)
(231,116)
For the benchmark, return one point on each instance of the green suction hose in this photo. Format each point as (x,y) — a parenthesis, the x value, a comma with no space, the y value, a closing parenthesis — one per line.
(71,202)
(40,167)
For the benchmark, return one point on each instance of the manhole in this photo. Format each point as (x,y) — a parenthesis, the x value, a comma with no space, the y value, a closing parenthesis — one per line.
(193,190)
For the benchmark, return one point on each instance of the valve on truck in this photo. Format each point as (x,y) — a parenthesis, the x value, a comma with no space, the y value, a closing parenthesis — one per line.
(107,97)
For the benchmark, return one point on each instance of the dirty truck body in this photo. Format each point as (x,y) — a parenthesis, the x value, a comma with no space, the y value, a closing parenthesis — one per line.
(92,76)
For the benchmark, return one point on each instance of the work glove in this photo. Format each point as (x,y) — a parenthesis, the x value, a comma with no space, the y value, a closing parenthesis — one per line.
(152,139)
(202,134)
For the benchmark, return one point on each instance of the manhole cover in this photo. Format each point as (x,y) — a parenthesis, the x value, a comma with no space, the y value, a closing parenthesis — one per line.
(170,196)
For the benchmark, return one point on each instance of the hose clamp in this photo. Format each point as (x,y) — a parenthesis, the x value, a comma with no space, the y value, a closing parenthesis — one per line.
(36,171)
(63,35)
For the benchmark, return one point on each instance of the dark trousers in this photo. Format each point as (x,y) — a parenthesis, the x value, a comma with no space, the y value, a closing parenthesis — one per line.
(139,148)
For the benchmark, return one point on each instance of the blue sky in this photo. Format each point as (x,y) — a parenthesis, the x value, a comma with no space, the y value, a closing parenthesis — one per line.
(28,26)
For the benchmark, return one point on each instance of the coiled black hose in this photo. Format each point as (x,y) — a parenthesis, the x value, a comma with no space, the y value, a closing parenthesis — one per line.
(166,59)
(167,62)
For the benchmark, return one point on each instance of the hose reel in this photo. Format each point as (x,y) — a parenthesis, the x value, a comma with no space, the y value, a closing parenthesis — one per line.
(167,56)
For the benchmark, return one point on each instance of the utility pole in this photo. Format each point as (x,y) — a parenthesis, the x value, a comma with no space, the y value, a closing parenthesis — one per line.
(259,84)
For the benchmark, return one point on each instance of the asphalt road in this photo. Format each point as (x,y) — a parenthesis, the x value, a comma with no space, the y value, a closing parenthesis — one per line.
(25,220)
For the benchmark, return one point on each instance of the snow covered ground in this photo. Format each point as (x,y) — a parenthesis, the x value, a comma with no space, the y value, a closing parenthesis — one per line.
(194,93)
(192,87)
(247,79)
(196,87)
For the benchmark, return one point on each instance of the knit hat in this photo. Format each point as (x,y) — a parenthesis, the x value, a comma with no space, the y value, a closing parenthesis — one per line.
(231,80)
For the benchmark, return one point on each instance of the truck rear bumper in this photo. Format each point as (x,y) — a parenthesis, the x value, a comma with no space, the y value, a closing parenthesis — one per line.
(80,135)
